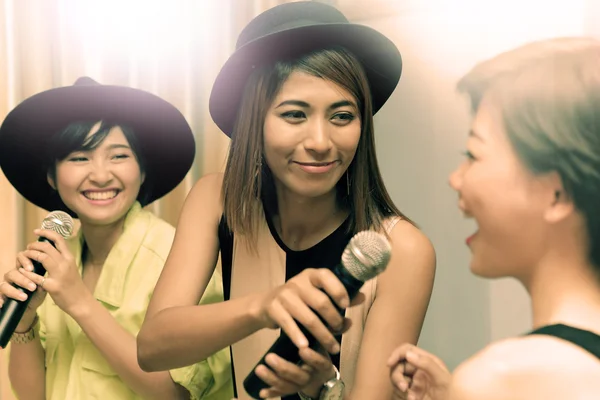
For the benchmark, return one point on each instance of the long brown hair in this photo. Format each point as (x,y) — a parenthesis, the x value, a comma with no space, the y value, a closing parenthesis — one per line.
(248,180)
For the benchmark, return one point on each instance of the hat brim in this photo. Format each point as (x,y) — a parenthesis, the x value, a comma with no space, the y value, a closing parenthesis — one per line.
(379,56)
(165,138)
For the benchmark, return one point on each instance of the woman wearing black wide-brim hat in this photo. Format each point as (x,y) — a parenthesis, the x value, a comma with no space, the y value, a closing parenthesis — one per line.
(297,99)
(99,153)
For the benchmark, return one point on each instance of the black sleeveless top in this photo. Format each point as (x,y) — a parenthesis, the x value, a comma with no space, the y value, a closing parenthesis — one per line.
(325,254)
(587,340)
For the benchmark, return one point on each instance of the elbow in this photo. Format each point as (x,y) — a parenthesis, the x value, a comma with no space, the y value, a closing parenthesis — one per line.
(145,355)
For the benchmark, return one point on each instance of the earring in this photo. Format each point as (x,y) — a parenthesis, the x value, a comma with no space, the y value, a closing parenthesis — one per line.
(347,183)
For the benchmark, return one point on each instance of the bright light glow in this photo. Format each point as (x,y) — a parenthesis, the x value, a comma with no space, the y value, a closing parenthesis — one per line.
(144,31)
(453,34)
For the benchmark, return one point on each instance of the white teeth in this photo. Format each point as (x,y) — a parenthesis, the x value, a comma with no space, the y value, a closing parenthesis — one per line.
(100,195)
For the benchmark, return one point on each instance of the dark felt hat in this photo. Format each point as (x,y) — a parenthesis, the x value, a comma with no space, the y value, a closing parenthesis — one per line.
(290,30)
(165,138)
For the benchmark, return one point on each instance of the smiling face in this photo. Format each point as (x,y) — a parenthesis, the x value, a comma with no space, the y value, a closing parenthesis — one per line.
(311,133)
(508,202)
(101,184)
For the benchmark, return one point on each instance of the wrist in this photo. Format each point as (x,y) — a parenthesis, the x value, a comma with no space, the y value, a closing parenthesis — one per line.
(255,311)
(27,321)
(313,390)
(83,308)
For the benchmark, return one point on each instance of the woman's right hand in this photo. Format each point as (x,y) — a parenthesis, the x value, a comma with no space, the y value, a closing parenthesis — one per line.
(296,300)
(418,374)
(17,277)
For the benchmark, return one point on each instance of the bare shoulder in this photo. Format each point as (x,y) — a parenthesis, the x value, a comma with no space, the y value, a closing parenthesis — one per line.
(208,187)
(410,243)
(528,367)
(205,196)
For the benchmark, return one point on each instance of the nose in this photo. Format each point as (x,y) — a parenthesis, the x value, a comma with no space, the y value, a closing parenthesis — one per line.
(455,177)
(100,173)
(318,139)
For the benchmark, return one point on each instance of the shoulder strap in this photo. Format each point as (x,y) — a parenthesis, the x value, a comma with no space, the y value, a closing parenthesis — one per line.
(587,340)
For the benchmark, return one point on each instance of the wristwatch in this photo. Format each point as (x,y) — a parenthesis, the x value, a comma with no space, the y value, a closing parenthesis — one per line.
(27,336)
(333,389)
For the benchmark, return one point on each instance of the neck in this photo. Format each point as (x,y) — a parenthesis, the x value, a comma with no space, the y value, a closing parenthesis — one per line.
(99,240)
(565,290)
(303,222)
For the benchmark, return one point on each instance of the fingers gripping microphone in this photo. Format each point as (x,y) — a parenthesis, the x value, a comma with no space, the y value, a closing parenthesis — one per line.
(366,256)
(12,311)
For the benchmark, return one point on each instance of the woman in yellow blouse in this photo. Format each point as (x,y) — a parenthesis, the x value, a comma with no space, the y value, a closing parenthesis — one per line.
(99,153)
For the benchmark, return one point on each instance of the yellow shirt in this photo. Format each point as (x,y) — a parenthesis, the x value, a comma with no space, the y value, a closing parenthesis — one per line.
(75,368)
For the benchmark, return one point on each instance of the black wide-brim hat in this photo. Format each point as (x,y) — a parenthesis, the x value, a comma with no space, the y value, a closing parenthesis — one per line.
(290,30)
(165,138)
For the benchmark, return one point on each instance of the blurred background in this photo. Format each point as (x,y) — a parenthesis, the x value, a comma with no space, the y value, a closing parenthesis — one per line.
(174,48)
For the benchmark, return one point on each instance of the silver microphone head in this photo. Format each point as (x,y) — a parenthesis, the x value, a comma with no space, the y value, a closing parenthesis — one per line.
(59,222)
(367,255)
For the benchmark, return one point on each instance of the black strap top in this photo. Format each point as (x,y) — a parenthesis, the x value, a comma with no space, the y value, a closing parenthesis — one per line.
(587,340)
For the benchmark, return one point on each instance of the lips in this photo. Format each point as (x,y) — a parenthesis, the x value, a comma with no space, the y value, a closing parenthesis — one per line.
(316,167)
(100,195)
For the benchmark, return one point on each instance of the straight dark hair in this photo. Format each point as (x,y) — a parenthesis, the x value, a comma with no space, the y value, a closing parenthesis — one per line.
(248,181)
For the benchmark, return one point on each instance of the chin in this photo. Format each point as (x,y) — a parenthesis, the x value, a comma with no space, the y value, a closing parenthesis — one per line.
(487,270)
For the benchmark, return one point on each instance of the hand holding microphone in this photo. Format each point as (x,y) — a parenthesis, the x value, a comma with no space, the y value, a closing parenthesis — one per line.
(303,306)
(17,290)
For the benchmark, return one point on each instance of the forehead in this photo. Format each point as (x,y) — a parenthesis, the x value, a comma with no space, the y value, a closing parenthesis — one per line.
(115,135)
(487,125)
(301,85)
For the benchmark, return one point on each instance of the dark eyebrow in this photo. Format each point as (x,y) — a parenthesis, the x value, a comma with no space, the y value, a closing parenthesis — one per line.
(474,134)
(118,146)
(298,103)
(303,104)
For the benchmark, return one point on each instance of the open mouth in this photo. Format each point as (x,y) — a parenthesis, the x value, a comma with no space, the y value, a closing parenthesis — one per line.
(470,238)
(105,195)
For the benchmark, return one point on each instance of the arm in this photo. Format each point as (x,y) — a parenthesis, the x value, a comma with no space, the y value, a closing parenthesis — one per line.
(117,346)
(176,331)
(26,368)
(397,314)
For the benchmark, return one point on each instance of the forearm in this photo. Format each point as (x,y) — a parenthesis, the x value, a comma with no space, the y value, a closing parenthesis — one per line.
(119,348)
(26,368)
(179,336)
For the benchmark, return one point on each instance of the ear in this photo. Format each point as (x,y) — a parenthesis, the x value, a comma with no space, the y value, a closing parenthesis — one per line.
(50,181)
(561,205)
(142,178)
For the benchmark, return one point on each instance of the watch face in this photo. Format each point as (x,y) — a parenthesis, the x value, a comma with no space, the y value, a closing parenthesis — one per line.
(333,391)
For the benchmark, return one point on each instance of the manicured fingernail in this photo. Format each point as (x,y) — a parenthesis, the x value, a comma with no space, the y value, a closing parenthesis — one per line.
(23,296)
(403,386)
(411,356)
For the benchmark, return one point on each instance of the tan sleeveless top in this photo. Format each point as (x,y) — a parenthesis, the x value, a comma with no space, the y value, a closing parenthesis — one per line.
(263,271)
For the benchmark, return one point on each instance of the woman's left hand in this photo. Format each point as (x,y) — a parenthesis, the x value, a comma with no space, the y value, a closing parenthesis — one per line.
(63,281)
(286,378)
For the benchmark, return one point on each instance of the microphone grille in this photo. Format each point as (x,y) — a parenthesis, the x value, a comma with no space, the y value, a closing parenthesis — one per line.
(367,255)
(59,222)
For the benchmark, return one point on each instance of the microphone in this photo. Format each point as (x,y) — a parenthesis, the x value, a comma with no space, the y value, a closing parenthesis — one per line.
(366,255)
(12,311)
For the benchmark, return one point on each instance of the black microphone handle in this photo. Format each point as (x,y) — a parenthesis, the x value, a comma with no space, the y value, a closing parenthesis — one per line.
(12,310)
(286,349)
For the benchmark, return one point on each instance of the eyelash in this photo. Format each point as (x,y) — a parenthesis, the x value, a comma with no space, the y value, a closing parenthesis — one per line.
(347,117)
(80,159)
(468,155)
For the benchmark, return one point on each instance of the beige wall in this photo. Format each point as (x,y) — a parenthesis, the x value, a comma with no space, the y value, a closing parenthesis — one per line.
(422,130)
